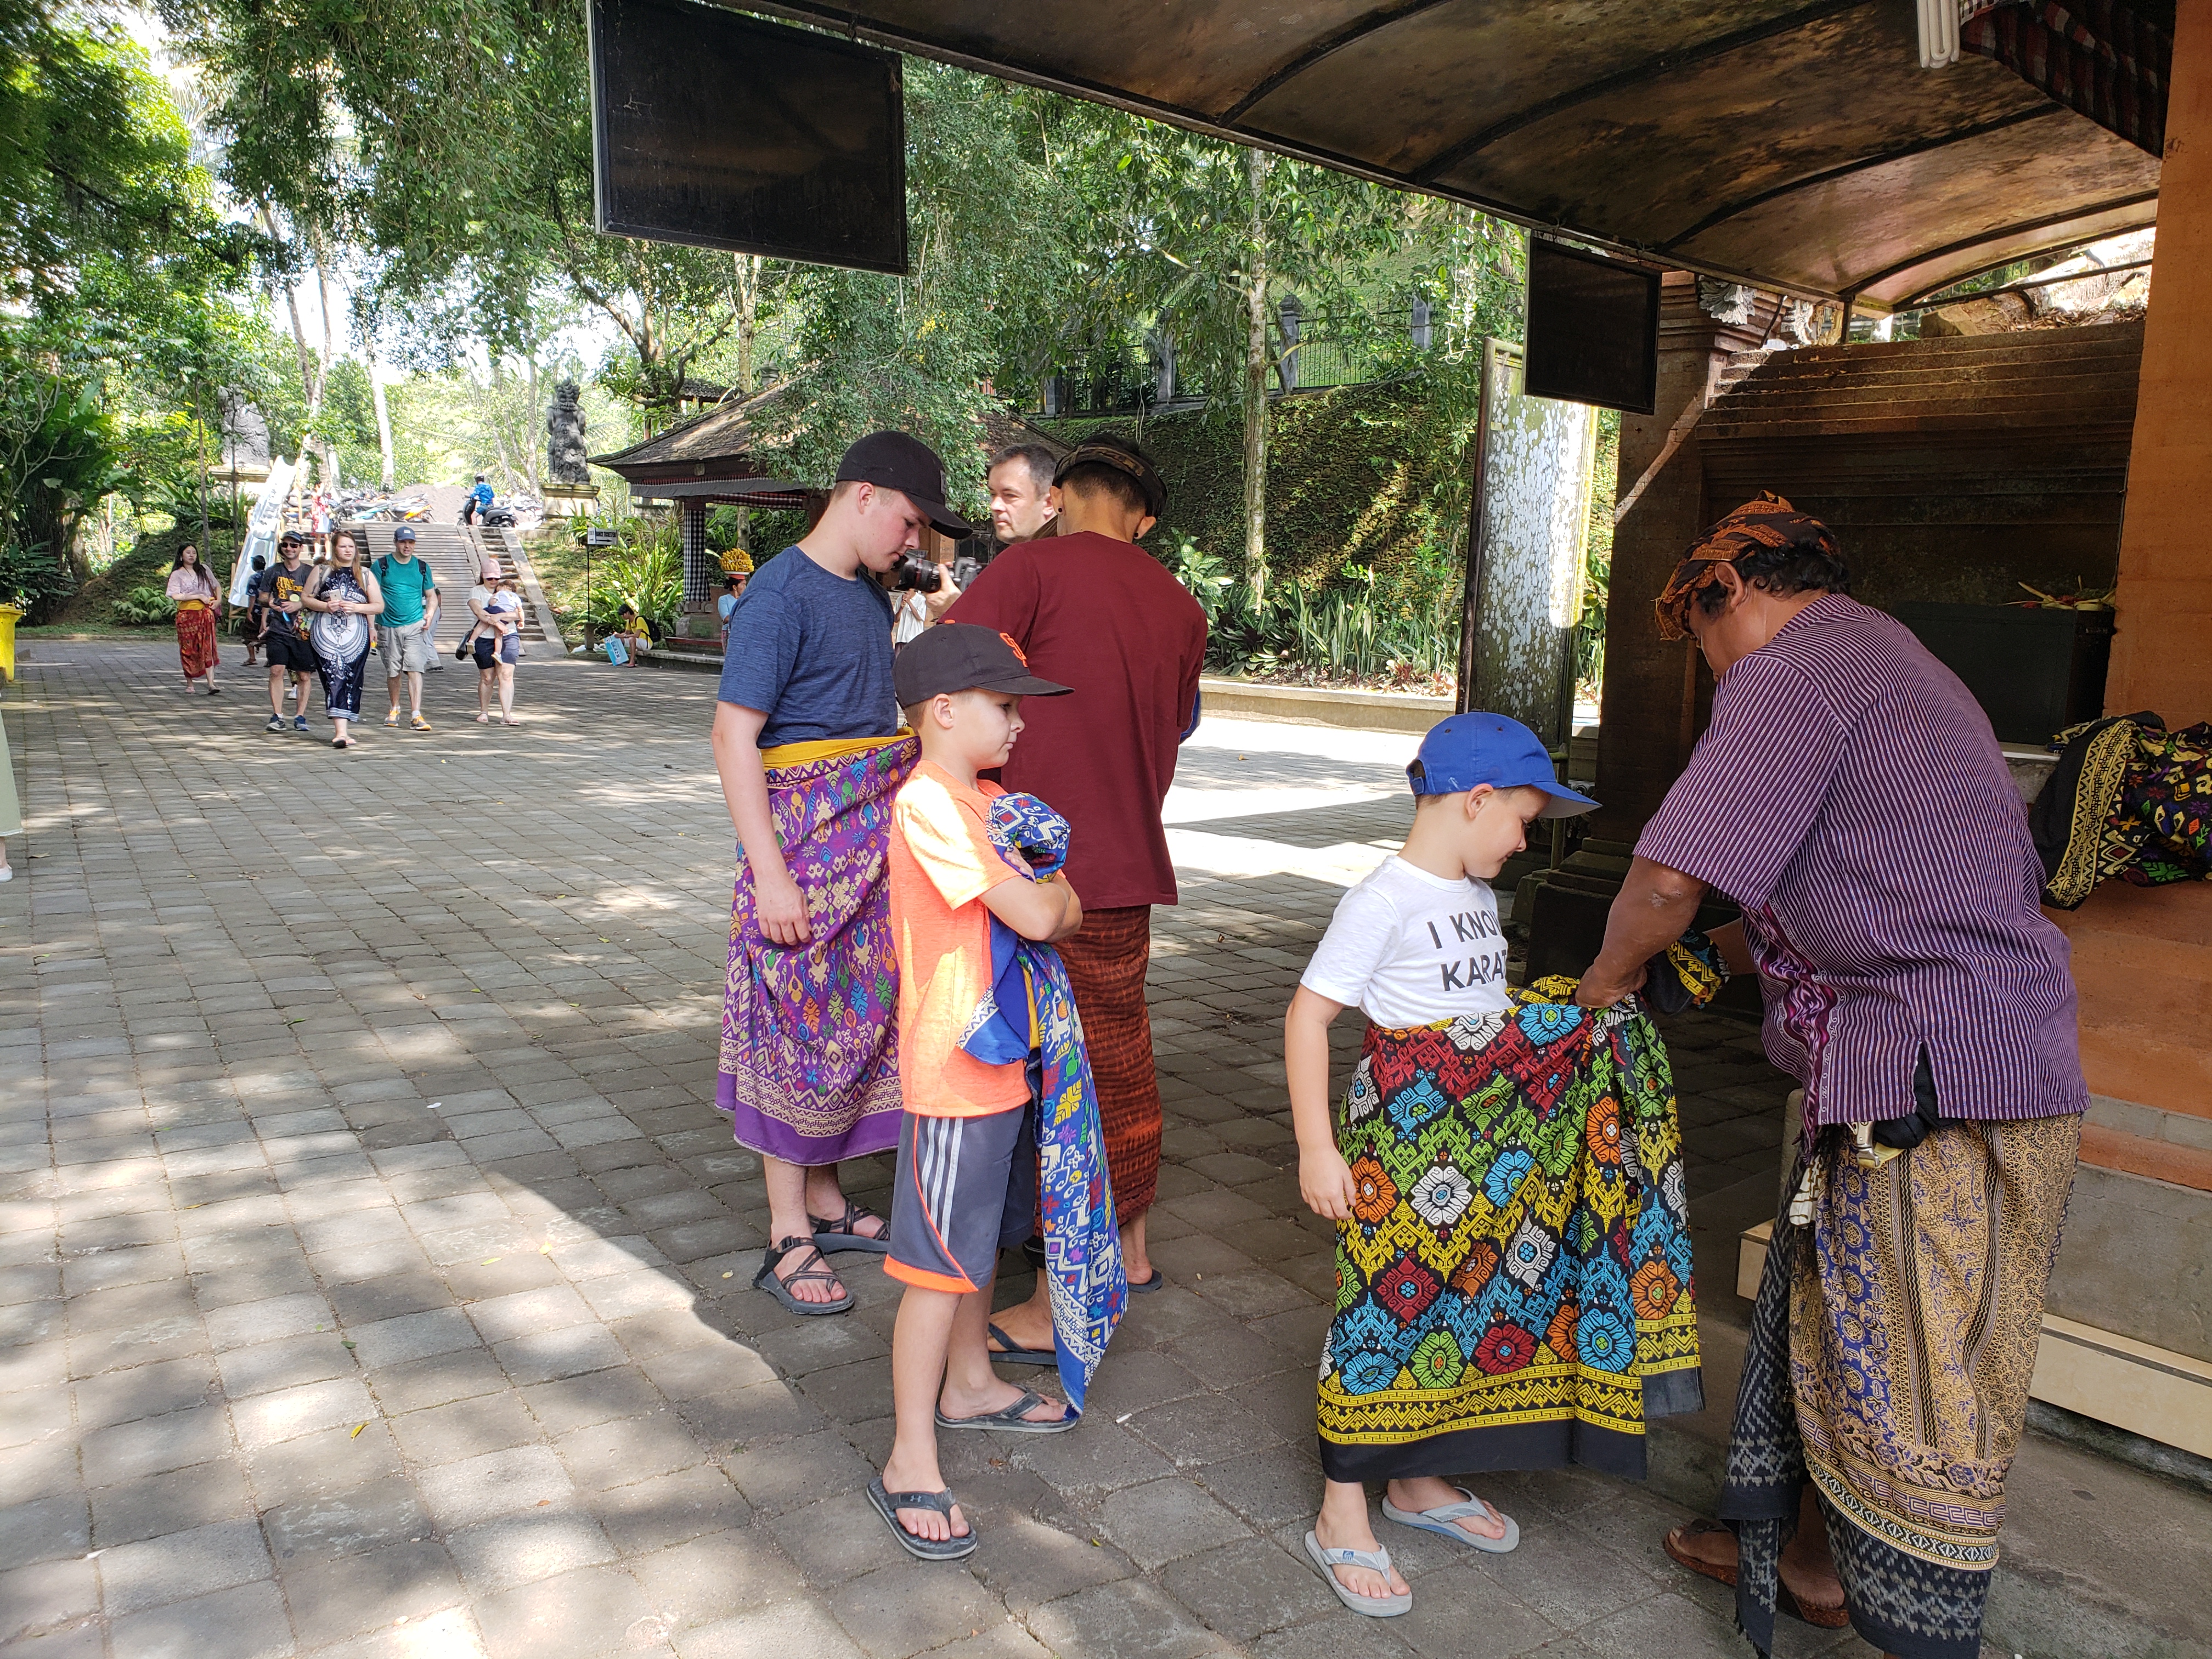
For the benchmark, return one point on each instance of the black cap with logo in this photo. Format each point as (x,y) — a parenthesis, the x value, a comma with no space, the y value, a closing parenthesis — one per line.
(961,657)
(894,461)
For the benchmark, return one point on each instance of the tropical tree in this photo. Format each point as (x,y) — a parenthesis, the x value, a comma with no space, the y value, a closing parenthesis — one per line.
(118,276)
(1206,238)
(453,137)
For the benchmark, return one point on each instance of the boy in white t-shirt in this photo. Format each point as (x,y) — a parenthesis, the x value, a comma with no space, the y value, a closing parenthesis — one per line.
(1416,943)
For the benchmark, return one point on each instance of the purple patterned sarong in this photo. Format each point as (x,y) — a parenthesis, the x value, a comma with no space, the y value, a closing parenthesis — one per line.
(810,1048)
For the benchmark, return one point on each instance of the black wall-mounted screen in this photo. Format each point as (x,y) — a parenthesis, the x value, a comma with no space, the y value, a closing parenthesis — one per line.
(723,131)
(1593,330)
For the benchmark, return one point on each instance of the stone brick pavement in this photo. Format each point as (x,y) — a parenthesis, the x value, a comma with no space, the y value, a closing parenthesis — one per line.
(374,1271)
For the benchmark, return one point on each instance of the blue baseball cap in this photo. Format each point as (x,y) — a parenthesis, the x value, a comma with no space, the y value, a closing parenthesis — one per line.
(1476,748)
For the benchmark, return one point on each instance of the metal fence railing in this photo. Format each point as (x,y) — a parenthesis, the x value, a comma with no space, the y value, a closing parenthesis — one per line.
(1312,353)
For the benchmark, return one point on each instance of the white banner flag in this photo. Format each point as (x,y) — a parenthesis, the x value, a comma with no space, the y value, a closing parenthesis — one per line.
(261,527)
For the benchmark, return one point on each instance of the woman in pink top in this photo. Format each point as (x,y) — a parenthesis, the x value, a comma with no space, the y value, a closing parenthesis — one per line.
(192,588)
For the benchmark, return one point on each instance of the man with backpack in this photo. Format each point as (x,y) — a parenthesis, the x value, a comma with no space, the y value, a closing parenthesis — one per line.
(403,631)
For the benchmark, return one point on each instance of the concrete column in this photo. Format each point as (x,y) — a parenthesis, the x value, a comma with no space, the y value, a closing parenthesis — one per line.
(2142,957)
(1656,693)
(2162,652)
(1654,690)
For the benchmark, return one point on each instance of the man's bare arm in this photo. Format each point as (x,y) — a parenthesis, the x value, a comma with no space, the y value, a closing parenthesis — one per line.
(778,905)
(1655,907)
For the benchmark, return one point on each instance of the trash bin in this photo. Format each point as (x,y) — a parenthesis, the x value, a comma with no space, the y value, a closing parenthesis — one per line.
(9,615)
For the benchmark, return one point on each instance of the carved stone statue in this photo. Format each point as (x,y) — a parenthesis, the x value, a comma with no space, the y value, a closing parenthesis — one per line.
(245,435)
(564,448)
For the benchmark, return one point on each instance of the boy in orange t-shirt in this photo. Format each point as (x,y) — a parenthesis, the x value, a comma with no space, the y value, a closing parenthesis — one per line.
(967,1158)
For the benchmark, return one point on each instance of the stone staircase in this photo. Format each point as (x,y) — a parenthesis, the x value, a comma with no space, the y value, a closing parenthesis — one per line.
(2035,378)
(455,553)
(1953,469)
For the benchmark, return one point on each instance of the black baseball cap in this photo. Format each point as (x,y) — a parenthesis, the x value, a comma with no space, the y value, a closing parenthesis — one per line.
(291,538)
(404,533)
(959,657)
(895,461)
(1137,469)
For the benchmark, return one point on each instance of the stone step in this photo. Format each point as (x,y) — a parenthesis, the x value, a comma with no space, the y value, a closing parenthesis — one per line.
(455,553)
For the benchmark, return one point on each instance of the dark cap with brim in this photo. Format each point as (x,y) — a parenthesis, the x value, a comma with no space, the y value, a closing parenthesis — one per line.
(891,460)
(962,657)
(1135,468)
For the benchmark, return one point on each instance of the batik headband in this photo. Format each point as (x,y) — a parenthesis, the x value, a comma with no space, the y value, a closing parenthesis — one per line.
(1757,526)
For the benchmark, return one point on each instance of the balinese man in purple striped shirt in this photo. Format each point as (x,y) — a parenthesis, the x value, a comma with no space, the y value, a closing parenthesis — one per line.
(1850,796)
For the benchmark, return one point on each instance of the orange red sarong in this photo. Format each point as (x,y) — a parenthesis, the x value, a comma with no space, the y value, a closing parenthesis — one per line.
(195,645)
(1106,963)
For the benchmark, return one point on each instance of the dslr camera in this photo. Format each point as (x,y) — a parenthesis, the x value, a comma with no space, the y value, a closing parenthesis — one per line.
(917,574)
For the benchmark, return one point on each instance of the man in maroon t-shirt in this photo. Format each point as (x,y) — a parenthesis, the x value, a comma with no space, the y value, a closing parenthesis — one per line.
(1092,609)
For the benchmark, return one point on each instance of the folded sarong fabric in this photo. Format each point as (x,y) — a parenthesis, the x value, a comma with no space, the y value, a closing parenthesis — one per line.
(1029,1013)
(808,1067)
(1514,1285)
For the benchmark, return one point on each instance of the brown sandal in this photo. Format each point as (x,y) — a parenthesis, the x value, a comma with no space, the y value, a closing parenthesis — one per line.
(1682,1556)
(780,1286)
(1786,1601)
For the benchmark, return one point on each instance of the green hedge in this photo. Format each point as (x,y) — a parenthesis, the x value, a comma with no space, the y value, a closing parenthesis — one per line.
(1368,475)
(147,564)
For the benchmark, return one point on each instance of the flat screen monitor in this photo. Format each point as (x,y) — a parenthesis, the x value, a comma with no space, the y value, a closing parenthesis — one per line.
(1593,330)
(723,131)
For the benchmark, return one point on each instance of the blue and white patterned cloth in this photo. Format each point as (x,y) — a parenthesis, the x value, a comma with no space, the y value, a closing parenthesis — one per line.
(1029,1013)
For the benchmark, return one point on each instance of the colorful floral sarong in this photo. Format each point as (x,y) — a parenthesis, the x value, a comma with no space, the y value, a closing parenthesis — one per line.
(195,645)
(809,1070)
(1891,1348)
(1514,1286)
(1030,1011)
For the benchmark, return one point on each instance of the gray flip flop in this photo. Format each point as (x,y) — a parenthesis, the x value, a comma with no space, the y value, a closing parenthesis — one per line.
(1010,1352)
(1011,1419)
(1439,1521)
(889,1504)
(1326,1560)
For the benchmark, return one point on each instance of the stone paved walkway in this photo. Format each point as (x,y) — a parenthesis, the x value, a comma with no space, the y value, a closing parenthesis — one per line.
(373,1271)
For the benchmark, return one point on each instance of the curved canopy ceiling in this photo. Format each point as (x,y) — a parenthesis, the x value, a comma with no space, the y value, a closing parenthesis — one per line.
(1797,145)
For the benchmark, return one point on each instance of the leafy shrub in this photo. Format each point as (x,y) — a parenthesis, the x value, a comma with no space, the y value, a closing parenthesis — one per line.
(30,575)
(645,570)
(1353,631)
(143,607)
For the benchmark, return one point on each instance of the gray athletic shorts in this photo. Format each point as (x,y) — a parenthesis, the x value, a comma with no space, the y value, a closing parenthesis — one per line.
(966,1187)
(407,650)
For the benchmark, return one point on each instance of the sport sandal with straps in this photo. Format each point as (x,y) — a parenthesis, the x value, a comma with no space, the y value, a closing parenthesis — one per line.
(889,1504)
(767,1279)
(838,1232)
(1326,1560)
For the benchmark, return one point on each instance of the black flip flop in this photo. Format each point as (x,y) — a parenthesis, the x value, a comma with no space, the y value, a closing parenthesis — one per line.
(1011,1352)
(889,1504)
(1014,1419)
(766,1278)
(838,1234)
(1157,1281)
